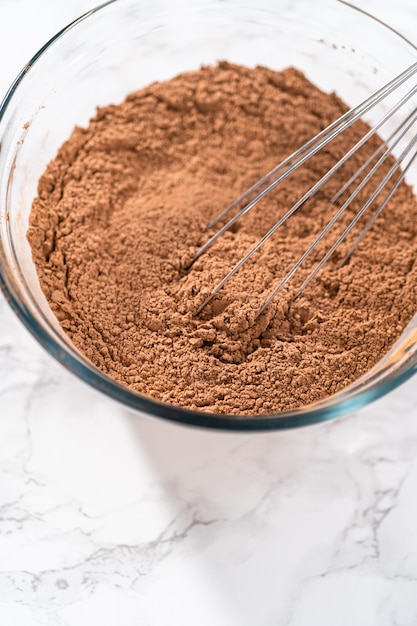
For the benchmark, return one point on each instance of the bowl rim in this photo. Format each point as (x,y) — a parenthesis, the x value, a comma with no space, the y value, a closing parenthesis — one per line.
(88,373)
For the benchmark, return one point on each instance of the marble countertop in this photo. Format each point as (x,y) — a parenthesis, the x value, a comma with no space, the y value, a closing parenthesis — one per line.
(110,519)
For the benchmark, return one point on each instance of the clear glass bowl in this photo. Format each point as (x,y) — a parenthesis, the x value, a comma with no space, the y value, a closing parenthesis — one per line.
(125,44)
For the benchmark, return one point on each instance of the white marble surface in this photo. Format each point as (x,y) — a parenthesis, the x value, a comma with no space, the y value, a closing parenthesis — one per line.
(109,519)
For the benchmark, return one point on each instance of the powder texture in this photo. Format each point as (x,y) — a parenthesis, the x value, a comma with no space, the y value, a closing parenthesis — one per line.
(124,206)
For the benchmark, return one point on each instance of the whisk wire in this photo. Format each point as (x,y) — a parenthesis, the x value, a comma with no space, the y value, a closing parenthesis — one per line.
(378,211)
(373,156)
(298,157)
(339,213)
(305,197)
(361,212)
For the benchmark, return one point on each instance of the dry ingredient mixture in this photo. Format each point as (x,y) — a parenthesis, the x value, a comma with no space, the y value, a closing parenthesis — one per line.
(125,204)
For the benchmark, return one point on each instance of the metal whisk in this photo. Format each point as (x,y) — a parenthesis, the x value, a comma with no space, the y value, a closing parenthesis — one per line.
(273,178)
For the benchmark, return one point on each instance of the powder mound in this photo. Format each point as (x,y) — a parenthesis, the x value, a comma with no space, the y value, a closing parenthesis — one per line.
(124,206)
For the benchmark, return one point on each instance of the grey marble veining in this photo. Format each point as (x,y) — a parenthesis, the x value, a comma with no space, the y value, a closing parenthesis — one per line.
(114,520)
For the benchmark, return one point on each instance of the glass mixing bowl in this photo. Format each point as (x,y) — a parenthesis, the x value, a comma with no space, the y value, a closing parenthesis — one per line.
(125,44)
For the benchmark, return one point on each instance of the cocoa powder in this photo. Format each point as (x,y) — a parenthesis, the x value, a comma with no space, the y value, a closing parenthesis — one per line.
(124,206)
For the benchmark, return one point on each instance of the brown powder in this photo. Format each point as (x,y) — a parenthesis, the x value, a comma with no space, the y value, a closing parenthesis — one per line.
(123,207)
